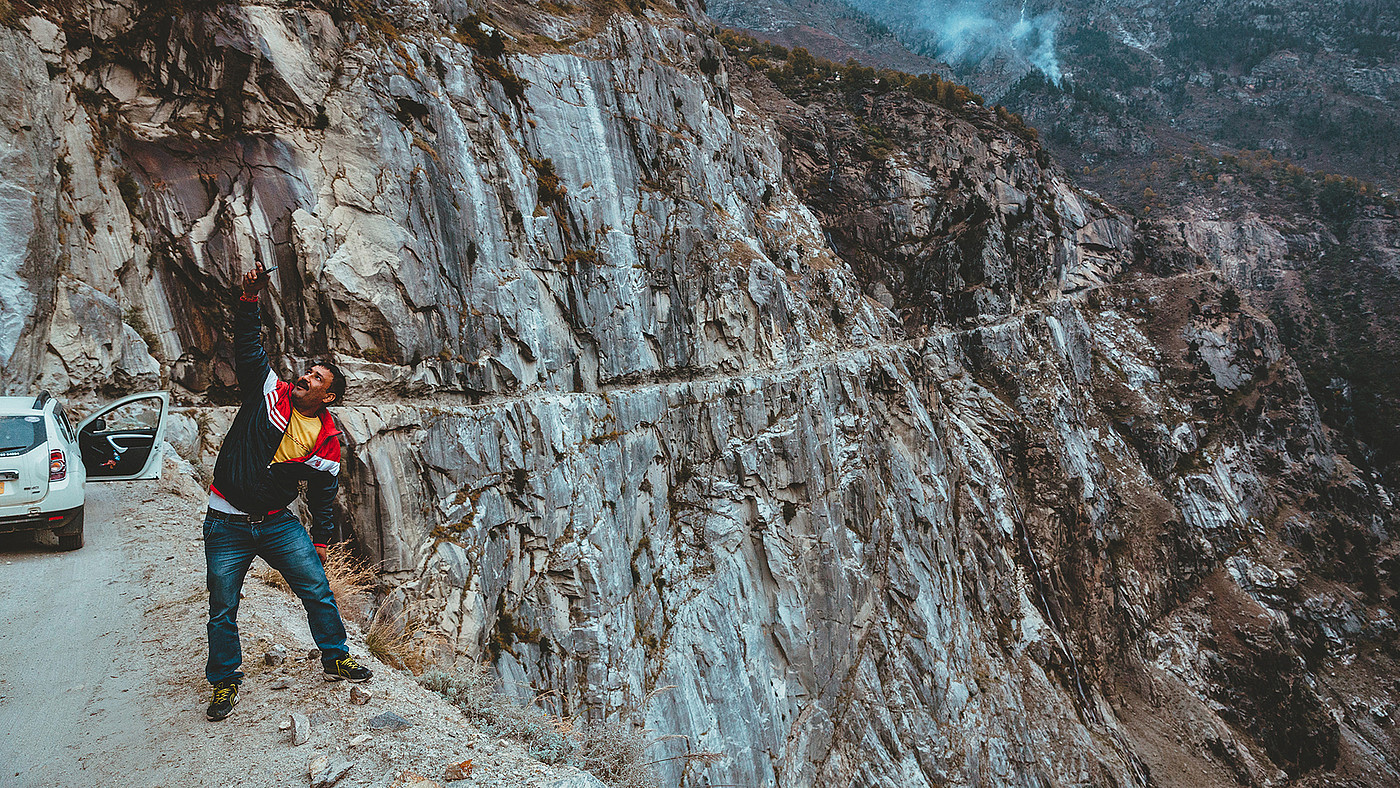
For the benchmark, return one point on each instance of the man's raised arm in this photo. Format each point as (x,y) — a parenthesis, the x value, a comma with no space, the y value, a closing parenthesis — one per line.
(249,356)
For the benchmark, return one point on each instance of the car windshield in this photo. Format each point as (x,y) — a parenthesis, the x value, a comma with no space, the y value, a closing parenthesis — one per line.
(19,434)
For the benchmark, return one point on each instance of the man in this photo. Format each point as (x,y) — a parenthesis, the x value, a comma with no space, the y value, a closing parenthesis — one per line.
(283,436)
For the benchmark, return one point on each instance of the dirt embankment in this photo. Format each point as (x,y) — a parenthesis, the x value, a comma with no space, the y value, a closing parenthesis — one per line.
(102,672)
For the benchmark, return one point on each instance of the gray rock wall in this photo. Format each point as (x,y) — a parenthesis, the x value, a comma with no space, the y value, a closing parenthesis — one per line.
(28,195)
(623,419)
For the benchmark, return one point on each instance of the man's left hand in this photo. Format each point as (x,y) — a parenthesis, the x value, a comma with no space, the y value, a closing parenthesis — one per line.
(321,551)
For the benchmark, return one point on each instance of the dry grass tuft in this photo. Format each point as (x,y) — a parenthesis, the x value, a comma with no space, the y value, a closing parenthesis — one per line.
(350,578)
(615,752)
(472,688)
(12,11)
(398,638)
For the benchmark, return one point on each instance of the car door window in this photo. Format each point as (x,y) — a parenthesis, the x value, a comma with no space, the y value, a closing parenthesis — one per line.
(61,416)
(119,442)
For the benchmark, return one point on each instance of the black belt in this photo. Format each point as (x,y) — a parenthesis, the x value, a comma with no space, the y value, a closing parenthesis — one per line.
(252,519)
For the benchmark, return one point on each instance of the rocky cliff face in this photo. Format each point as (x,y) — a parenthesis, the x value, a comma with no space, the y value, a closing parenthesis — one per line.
(678,404)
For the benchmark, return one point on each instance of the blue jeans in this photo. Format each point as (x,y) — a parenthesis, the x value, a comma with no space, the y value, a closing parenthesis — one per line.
(229,547)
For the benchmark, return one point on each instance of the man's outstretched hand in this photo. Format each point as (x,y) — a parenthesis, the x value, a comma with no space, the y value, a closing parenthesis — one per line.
(321,551)
(255,280)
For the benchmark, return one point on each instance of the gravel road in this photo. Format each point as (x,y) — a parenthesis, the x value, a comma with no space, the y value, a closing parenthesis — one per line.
(74,676)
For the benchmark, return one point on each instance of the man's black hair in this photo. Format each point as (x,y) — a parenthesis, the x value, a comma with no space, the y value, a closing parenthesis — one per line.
(337,386)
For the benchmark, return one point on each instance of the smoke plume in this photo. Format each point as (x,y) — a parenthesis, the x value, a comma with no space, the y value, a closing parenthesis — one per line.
(964,33)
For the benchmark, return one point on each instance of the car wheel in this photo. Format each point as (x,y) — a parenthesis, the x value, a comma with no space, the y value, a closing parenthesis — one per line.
(71,537)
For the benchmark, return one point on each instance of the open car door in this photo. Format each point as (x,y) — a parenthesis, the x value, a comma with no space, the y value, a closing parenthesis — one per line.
(122,439)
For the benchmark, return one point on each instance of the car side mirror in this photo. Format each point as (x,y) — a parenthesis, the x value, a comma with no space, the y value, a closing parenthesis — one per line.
(100,425)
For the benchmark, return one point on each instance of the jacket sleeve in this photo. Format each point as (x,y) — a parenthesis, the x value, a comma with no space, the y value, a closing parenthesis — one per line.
(249,357)
(320,492)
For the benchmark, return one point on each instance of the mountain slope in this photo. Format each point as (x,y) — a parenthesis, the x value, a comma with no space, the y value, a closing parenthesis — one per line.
(1117,85)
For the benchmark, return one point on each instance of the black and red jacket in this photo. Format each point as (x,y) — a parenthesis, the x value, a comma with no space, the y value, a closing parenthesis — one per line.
(244,474)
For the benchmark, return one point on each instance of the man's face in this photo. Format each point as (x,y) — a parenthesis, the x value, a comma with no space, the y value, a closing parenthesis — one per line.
(312,389)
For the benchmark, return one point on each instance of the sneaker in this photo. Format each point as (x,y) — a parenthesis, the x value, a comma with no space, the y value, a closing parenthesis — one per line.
(345,668)
(225,698)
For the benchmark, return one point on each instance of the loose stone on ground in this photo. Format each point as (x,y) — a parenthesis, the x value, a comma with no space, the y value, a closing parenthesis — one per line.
(388,721)
(301,729)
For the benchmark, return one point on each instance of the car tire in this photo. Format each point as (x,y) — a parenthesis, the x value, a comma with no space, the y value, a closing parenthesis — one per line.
(71,537)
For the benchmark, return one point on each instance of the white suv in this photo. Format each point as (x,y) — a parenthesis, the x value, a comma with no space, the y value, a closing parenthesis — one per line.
(44,461)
